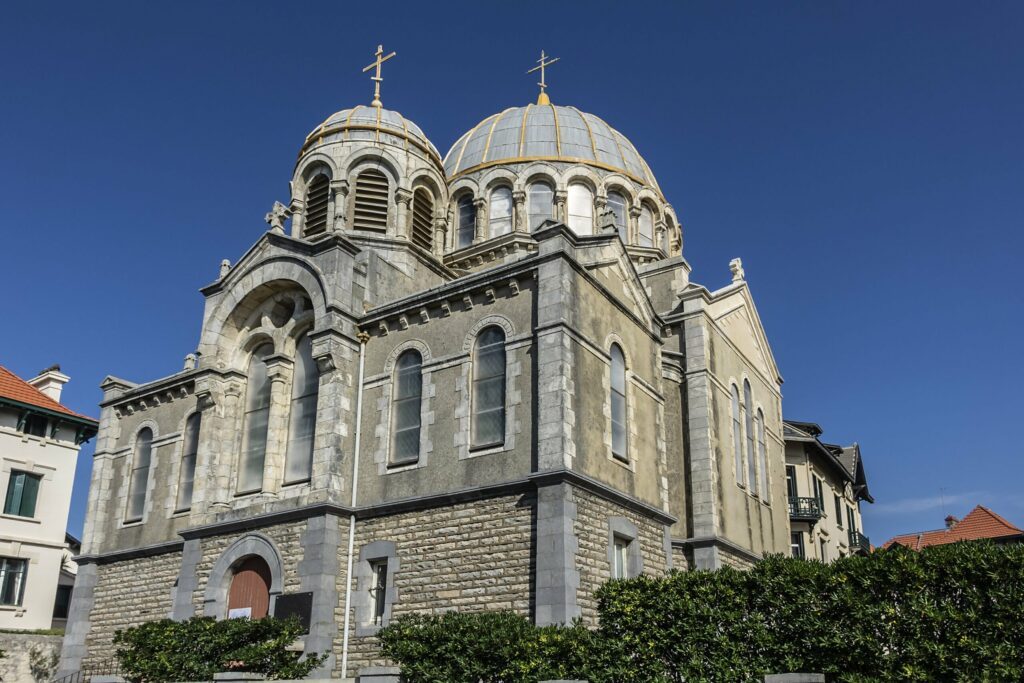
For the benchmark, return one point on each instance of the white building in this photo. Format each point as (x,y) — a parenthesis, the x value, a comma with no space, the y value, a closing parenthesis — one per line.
(39,442)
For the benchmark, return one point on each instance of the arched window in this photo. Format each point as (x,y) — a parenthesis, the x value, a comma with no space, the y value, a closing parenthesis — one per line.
(645,227)
(737,435)
(423,219)
(541,201)
(371,203)
(500,216)
(317,198)
(140,474)
(187,475)
(748,402)
(298,461)
(617,205)
(581,209)
(405,423)
(762,452)
(467,221)
(489,388)
(257,417)
(618,399)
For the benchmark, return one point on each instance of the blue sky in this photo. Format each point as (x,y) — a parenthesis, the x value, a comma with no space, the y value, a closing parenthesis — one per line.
(865,159)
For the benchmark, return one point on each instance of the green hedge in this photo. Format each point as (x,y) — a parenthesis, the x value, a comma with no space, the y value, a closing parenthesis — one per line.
(195,649)
(949,613)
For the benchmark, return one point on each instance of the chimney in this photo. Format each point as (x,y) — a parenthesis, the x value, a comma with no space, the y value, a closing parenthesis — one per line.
(951,521)
(50,381)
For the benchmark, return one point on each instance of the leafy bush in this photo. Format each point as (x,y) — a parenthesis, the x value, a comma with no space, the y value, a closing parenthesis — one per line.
(195,649)
(949,613)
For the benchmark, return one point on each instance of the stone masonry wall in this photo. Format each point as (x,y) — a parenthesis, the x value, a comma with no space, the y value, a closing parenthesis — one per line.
(735,560)
(471,556)
(591,528)
(28,657)
(129,593)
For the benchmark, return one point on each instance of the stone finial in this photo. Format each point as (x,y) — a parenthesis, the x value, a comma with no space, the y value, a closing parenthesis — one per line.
(190,362)
(736,266)
(276,217)
(225,266)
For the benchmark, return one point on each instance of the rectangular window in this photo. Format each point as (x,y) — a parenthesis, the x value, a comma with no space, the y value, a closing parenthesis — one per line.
(62,603)
(791,489)
(839,510)
(850,521)
(619,561)
(12,581)
(796,544)
(819,492)
(22,491)
(34,425)
(379,590)
(824,549)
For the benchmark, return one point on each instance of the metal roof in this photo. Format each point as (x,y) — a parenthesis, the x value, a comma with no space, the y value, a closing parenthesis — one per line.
(373,124)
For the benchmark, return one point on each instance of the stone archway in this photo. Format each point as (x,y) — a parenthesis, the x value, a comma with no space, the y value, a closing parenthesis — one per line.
(252,546)
(249,591)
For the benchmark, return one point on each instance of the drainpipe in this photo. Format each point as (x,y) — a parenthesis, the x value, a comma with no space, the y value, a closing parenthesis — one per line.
(363,338)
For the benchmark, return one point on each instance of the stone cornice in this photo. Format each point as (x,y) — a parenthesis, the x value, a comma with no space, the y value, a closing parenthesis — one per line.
(708,541)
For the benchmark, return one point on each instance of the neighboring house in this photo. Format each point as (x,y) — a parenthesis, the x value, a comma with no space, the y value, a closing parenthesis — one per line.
(825,484)
(980,523)
(39,442)
(482,380)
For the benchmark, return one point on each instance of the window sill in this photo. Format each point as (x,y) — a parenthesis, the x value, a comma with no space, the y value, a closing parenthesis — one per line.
(494,445)
(402,466)
(11,608)
(182,512)
(128,523)
(297,482)
(251,492)
(20,518)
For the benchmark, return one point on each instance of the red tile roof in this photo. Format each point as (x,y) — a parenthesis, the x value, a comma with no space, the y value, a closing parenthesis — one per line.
(978,524)
(16,389)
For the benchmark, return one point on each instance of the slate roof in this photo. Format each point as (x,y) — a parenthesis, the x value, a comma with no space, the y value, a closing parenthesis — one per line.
(979,524)
(16,389)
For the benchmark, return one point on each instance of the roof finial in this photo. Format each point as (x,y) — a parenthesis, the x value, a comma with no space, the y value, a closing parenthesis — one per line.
(376,78)
(543,62)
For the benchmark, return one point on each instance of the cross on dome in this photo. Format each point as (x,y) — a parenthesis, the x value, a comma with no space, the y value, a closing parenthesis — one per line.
(543,62)
(376,78)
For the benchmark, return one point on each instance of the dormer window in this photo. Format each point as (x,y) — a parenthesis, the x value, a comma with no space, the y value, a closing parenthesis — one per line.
(371,201)
(317,200)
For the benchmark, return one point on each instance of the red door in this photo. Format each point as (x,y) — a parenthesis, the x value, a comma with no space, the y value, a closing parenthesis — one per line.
(250,588)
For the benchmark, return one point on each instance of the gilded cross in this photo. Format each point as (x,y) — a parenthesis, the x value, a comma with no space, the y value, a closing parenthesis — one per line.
(543,63)
(381,58)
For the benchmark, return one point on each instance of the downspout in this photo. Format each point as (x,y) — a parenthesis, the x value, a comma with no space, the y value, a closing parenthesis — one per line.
(363,338)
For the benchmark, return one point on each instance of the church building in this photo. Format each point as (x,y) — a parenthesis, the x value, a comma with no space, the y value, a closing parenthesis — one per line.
(477,380)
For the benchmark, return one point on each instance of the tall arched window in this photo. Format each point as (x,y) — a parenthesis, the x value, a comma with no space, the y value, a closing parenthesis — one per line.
(618,400)
(581,209)
(298,461)
(405,423)
(140,475)
(370,211)
(762,452)
(187,475)
(645,227)
(489,388)
(617,205)
(541,202)
(748,401)
(737,435)
(423,219)
(317,198)
(500,216)
(257,417)
(467,221)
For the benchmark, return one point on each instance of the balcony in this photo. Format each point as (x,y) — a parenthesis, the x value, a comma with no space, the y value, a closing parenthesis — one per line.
(804,510)
(859,543)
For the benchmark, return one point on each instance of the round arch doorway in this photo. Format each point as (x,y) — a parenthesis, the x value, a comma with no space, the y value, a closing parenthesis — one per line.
(249,593)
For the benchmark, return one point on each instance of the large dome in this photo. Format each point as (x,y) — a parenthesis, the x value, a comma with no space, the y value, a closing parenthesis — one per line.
(373,124)
(546,132)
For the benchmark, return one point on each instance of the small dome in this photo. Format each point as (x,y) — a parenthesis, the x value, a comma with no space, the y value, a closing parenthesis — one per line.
(550,133)
(373,124)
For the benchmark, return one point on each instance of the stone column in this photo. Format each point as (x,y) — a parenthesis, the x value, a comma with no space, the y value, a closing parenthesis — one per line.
(659,236)
(298,209)
(519,198)
(440,235)
(404,199)
(279,372)
(560,199)
(632,224)
(481,217)
(220,439)
(339,203)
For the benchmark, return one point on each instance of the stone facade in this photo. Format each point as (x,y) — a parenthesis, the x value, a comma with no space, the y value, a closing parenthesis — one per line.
(341,410)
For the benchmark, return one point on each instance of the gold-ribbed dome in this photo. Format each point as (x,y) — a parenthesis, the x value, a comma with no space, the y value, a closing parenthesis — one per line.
(374,124)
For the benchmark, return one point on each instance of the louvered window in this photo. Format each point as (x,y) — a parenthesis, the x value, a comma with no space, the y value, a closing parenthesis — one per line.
(317,197)
(371,209)
(422,219)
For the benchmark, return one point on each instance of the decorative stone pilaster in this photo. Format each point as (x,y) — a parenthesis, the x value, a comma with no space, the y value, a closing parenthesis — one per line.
(218,399)
(660,228)
(404,199)
(481,217)
(339,199)
(298,211)
(519,198)
(336,358)
(440,235)
(561,196)
(279,372)
(632,224)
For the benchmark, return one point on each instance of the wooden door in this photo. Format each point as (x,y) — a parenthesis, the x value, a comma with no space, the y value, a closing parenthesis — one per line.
(250,588)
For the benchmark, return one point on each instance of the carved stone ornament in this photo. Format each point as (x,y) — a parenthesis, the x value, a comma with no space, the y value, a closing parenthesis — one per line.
(736,266)
(276,217)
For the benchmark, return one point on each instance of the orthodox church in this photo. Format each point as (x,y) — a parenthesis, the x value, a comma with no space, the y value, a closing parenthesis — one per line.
(479,380)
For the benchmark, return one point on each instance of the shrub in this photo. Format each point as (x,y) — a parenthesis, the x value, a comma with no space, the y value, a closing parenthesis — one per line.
(195,649)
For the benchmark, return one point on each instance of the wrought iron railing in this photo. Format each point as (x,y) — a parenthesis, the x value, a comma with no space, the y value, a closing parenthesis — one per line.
(804,509)
(859,543)
(109,667)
